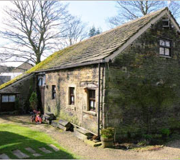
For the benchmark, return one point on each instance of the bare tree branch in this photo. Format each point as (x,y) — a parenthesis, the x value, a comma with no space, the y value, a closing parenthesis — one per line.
(129,10)
(34,27)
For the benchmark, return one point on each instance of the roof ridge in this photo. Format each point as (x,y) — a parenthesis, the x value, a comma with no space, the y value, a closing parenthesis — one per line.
(126,23)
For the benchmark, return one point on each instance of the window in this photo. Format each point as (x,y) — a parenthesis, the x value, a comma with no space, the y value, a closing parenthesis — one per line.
(8,98)
(71,95)
(53,91)
(92,100)
(41,80)
(11,98)
(166,23)
(5,98)
(165,48)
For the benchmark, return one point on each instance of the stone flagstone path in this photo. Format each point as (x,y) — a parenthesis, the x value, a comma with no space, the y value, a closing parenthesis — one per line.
(33,152)
(22,155)
(54,147)
(29,149)
(43,149)
(4,156)
(36,154)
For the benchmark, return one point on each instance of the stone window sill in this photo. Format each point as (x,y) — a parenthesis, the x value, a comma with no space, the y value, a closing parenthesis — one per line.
(72,106)
(165,56)
(90,112)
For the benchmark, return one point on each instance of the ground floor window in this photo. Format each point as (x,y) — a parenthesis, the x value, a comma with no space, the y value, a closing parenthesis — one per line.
(8,98)
(71,96)
(92,100)
(53,91)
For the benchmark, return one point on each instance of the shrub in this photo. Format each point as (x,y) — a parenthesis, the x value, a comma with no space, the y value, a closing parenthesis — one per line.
(147,136)
(33,100)
(107,133)
(165,132)
(17,103)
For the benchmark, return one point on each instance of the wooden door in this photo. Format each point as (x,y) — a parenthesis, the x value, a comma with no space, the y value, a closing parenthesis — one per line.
(42,97)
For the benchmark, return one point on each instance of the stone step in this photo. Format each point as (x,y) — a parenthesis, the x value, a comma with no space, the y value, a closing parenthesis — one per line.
(93,144)
(80,135)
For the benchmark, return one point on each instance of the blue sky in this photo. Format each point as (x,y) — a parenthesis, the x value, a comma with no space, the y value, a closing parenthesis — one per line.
(93,12)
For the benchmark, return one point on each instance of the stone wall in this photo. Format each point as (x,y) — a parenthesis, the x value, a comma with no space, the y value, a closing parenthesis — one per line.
(23,88)
(79,78)
(142,87)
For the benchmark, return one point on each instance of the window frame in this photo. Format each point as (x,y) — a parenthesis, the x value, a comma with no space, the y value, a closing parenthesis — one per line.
(90,99)
(41,80)
(71,95)
(8,95)
(53,91)
(165,23)
(165,47)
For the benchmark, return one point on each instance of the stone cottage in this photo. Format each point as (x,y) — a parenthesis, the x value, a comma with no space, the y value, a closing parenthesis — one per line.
(81,83)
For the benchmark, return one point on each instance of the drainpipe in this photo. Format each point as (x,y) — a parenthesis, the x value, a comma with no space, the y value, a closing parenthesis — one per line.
(99,87)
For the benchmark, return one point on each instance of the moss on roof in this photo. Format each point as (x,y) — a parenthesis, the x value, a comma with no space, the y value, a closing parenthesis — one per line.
(94,48)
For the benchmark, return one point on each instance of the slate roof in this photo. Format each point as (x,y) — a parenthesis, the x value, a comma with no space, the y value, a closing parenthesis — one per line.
(5,69)
(23,67)
(93,49)
(100,46)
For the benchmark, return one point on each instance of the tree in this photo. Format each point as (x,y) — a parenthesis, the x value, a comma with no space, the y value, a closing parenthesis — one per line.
(129,10)
(34,28)
(33,100)
(93,31)
(76,31)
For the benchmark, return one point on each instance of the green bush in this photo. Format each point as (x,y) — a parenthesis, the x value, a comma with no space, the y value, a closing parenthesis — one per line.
(165,132)
(33,100)
(107,133)
(17,103)
(147,136)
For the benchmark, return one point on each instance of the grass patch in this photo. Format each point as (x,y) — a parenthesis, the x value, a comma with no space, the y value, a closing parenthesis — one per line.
(14,137)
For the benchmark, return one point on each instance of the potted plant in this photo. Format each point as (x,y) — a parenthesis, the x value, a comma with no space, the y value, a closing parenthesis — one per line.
(107,137)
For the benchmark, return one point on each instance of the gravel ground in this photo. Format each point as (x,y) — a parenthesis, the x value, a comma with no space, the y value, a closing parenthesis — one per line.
(74,145)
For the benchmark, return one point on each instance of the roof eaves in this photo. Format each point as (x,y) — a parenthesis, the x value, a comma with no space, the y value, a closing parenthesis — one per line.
(13,81)
(174,20)
(71,66)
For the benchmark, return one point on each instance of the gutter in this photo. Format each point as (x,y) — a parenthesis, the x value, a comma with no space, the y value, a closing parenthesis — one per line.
(99,87)
(71,66)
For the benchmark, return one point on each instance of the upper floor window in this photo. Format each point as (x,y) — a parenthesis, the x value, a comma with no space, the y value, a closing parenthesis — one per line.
(53,91)
(71,96)
(165,47)
(165,23)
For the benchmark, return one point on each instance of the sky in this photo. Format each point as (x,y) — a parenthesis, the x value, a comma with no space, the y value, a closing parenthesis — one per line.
(93,13)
